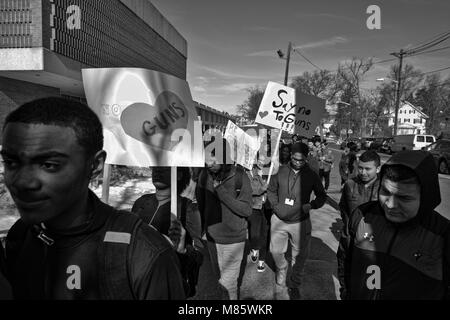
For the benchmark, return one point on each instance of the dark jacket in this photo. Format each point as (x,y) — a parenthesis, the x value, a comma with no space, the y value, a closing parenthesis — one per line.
(355,193)
(147,206)
(287,184)
(5,289)
(40,271)
(223,212)
(413,258)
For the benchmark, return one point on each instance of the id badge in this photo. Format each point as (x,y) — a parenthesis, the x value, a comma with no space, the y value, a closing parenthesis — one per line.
(289,202)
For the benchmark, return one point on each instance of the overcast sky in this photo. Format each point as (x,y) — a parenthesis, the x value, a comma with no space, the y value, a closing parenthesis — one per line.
(232,44)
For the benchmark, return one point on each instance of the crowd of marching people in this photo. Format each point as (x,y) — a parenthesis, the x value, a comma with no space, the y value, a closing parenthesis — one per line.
(81,248)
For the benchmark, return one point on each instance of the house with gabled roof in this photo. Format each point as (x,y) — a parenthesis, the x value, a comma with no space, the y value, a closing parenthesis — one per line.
(411,119)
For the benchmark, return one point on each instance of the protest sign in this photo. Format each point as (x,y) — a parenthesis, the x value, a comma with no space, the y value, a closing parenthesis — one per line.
(308,113)
(244,147)
(148,117)
(277,108)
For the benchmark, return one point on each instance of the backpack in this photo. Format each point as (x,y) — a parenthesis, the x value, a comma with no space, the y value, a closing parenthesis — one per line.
(114,280)
(112,253)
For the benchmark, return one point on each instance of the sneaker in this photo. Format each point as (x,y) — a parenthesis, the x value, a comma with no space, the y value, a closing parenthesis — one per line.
(254,256)
(294,293)
(281,277)
(261,266)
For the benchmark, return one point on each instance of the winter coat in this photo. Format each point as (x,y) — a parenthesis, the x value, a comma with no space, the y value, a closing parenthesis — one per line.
(379,259)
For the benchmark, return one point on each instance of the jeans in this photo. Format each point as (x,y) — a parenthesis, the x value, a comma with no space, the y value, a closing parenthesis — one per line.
(226,259)
(194,225)
(325,175)
(299,235)
(258,232)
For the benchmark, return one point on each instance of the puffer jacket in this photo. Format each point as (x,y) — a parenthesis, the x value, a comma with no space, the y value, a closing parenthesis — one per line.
(355,193)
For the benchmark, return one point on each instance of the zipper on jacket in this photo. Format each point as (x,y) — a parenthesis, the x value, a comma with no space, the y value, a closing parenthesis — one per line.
(48,242)
(391,243)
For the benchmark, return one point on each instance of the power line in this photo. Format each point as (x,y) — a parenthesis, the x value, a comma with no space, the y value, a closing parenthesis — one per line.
(429,51)
(426,47)
(436,70)
(298,51)
(367,64)
(429,44)
(433,38)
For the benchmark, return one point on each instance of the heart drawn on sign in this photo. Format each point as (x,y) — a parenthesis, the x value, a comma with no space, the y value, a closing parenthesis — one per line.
(263,114)
(154,125)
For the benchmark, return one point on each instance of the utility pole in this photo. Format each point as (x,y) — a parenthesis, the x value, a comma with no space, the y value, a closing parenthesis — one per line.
(287,63)
(399,80)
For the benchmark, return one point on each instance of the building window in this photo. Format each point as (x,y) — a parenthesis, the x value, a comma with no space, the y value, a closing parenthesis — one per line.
(407,120)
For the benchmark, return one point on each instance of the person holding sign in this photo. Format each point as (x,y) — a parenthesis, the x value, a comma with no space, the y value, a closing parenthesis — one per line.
(154,210)
(224,197)
(289,193)
(68,244)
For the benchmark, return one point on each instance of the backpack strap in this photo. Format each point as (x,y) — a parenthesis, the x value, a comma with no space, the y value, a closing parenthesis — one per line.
(113,256)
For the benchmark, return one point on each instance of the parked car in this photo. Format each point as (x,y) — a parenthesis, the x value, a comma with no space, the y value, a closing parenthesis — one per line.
(441,154)
(376,144)
(386,145)
(412,142)
(357,141)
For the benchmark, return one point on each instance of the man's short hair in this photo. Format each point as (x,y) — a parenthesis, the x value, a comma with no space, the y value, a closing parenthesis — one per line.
(63,112)
(370,155)
(300,147)
(400,173)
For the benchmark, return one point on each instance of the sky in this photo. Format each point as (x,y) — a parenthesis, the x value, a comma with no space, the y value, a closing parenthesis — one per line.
(232,45)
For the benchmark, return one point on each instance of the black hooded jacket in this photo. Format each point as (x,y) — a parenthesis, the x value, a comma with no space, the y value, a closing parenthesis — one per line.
(378,259)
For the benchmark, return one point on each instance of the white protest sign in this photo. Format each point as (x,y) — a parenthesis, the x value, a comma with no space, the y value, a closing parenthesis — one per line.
(309,112)
(277,108)
(244,146)
(148,117)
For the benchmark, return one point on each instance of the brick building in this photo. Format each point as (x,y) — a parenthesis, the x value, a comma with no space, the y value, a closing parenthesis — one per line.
(44,44)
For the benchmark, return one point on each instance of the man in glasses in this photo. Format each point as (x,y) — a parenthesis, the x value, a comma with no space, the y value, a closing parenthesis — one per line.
(290,193)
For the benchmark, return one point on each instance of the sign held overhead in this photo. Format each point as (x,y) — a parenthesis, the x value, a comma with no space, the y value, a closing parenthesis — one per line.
(148,117)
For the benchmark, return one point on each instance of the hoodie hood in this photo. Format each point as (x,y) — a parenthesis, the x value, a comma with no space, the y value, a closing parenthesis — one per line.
(422,163)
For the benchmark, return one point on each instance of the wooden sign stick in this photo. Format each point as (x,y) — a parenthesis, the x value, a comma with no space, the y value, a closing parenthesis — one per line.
(105,183)
(173,193)
(275,154)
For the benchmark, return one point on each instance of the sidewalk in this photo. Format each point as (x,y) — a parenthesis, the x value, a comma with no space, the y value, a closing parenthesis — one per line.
(320,274)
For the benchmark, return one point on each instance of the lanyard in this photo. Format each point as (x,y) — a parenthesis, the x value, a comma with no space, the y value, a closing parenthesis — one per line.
(290,189)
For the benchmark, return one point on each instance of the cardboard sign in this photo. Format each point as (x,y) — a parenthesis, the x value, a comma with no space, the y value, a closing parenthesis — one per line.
(277,109)
(308,113)
(244,147)
(148,117)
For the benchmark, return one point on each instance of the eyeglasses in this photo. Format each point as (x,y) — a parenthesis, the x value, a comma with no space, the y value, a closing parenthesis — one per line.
(300,161)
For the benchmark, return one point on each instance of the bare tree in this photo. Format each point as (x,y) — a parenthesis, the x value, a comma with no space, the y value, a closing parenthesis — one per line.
(319,83)
(350,76)
(434,97)
(250,107)
(410,82)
